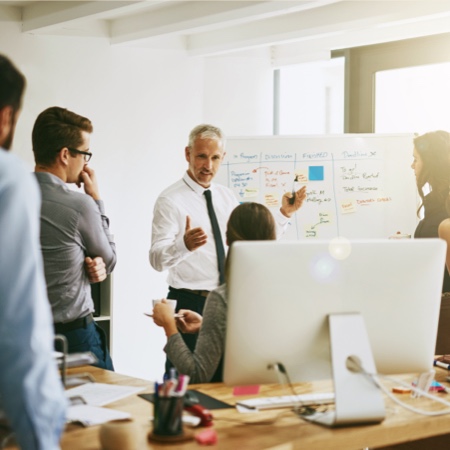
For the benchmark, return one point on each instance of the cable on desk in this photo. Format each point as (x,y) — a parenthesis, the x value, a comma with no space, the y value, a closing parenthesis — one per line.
(299,408)
(357,368)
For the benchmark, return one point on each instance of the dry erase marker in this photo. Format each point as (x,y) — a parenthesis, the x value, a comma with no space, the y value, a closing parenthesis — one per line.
(441,364)
(292,199)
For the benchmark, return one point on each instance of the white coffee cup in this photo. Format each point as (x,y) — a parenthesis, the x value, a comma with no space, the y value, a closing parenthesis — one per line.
(121,434)
(172,303)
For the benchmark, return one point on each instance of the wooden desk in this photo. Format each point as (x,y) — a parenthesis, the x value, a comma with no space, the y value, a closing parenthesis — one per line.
(288,431)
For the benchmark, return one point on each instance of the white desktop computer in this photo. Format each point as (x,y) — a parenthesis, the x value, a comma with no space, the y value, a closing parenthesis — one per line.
(311,305)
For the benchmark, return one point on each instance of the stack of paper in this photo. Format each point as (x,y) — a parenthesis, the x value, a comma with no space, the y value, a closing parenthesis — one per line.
(88,415)
(96,395)
(76,359)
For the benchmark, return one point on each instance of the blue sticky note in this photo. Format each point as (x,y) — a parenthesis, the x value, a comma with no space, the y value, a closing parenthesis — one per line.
(315,173)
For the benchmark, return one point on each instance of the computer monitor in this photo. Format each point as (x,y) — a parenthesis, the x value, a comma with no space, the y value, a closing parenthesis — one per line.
(281,294)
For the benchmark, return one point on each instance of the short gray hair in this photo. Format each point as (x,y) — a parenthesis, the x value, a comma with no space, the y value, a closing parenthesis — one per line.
(205,131)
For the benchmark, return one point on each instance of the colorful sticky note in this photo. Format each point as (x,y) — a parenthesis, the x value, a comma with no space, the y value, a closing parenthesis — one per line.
(246,390)
(270,200)
(315,173)
(310,231)
(301,176)
(348,206)
(207,437)
(249,193)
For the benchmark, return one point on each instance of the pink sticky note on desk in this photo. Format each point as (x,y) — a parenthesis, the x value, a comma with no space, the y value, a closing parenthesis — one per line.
(206,437)
(246,390)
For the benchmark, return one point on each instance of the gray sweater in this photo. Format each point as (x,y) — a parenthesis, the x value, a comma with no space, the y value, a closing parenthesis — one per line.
(201,364)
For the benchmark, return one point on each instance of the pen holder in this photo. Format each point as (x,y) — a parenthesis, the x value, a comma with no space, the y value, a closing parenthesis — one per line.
(168,413)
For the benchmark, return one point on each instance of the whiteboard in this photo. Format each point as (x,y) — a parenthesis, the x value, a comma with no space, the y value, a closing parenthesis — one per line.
(359,186)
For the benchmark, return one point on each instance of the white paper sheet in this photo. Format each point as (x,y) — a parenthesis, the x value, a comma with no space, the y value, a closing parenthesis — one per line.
(100,394)
(88,415)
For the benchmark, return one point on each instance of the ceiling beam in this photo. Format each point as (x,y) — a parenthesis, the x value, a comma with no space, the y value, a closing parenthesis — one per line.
(49,15)
(211,27)
(196,16)
(301,51)
(328,21)
(10,13)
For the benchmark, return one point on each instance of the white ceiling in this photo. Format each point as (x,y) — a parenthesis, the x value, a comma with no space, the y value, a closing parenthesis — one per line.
(293,30)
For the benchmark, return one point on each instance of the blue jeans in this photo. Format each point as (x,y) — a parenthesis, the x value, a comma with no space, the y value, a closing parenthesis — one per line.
(90,339)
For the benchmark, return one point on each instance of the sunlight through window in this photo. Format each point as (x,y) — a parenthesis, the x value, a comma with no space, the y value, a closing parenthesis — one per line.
(413,99)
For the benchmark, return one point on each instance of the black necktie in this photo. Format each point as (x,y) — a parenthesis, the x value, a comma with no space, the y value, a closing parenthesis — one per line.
(217,236)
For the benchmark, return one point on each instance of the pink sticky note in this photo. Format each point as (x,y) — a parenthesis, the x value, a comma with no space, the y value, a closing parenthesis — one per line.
(206,437)
(246,390)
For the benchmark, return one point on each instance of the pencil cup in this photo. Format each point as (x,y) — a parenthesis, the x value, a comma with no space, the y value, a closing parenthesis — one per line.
(167,419)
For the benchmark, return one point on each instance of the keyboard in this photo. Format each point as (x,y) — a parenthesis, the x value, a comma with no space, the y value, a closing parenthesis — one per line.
(286,401)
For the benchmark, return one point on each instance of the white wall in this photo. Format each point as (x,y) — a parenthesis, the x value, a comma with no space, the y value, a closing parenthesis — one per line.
(239,93)
(143,104)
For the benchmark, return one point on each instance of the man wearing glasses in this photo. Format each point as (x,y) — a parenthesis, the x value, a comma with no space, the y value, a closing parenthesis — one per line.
(77,245)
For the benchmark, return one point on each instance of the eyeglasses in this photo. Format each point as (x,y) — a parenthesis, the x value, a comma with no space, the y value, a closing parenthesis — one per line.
(87,155)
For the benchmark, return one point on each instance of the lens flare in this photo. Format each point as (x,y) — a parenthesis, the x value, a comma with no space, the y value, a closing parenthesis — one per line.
(340,248)
(323,268)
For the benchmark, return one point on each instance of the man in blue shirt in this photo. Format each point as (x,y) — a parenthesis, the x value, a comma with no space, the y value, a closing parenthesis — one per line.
(31,393)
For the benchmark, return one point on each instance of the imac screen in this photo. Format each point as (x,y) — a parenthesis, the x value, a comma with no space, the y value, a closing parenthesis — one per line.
(280,295)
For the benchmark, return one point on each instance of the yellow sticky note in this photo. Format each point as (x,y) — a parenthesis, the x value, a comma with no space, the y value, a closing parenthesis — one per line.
(301,176)
(271,200)
(348,206)
(250,193)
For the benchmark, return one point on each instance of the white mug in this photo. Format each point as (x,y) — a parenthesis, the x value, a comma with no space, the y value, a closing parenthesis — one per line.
(121,435)
(172,303)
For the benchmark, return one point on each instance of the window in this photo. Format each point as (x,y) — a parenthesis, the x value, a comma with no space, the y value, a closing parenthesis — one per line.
(309,98)
(413,99)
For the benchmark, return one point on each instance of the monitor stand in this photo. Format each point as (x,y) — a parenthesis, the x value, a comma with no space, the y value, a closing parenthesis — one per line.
(357,399)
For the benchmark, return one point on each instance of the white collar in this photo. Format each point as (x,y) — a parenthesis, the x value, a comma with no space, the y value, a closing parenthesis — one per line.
(195,186)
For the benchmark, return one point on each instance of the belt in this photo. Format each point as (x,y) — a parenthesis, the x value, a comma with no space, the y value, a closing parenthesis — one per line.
(200,292)
(74,325)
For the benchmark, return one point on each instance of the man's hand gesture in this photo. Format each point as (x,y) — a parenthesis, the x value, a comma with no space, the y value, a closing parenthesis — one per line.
(194,237)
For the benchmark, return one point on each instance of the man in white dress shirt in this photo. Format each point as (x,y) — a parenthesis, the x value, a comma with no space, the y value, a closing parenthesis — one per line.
(183,241)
